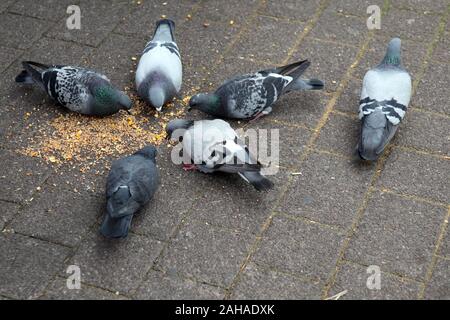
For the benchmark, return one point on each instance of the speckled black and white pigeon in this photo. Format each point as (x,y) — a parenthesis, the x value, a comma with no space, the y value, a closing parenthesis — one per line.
(79,90)
(212,145)
(385,97)
(252,95)
(131,183)
(159,73)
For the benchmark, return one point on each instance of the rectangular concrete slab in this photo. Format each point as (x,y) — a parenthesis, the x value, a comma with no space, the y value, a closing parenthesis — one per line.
(160,286)
(417,174)
(27,265)
(328,189)
(260,282)
(397,234)
(298,247)
(361,283)
(208,254)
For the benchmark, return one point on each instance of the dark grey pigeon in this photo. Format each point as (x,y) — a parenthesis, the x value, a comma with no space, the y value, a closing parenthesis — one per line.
(159,73)
(385,97)
(79,90)
(252,95)
(212,145)
(131,183)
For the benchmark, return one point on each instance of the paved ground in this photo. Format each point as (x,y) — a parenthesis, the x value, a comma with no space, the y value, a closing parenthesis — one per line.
(214,237)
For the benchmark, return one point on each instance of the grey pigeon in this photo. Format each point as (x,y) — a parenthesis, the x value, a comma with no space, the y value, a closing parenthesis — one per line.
(159,73)
(212,145)
(252,95)
(79,90)
(131,183)
(385,97)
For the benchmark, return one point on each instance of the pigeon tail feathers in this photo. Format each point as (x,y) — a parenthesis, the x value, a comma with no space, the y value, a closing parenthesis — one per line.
(164,31)
(31,73)
(296,73)
(376,132)
(115,228)
(24,77)
(307,84)
(257,180)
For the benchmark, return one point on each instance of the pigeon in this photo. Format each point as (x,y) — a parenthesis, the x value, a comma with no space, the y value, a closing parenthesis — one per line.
(252,95)
(159,73)
(384,100)
(212,145)
(79,90)
(131,183)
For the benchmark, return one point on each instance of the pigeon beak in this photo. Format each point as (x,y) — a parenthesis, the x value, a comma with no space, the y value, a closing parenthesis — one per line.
(189,108)
(128,111)
(159,109)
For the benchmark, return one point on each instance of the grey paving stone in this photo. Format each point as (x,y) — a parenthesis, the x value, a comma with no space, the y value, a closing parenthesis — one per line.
(328,64)
(291,9)
(340,28)
(349,99)
(5,4)
(22,174)
(407,24)
(7,56)
(47,9)
(55,51)
(425,131)
(113,58)
(397,234)
(429,94)
(116,264)
(358,7)
(300,108)
(20,32)
(417,174)
(439,286)
(238,208)
(306,249)
(442,50)
(7,212)
(413,54)
(353,278)
(445,246)
(291,143)
(438,6)
(329,190)
(341,134)
(268,39)
(59,216)
(160,286)
(258,282)
(58,291)
(27,265)
(206,253)
(142,17)
(99,18)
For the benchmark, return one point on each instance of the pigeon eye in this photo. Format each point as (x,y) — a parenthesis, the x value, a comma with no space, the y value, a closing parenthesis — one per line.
(224,142)
(213,154)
